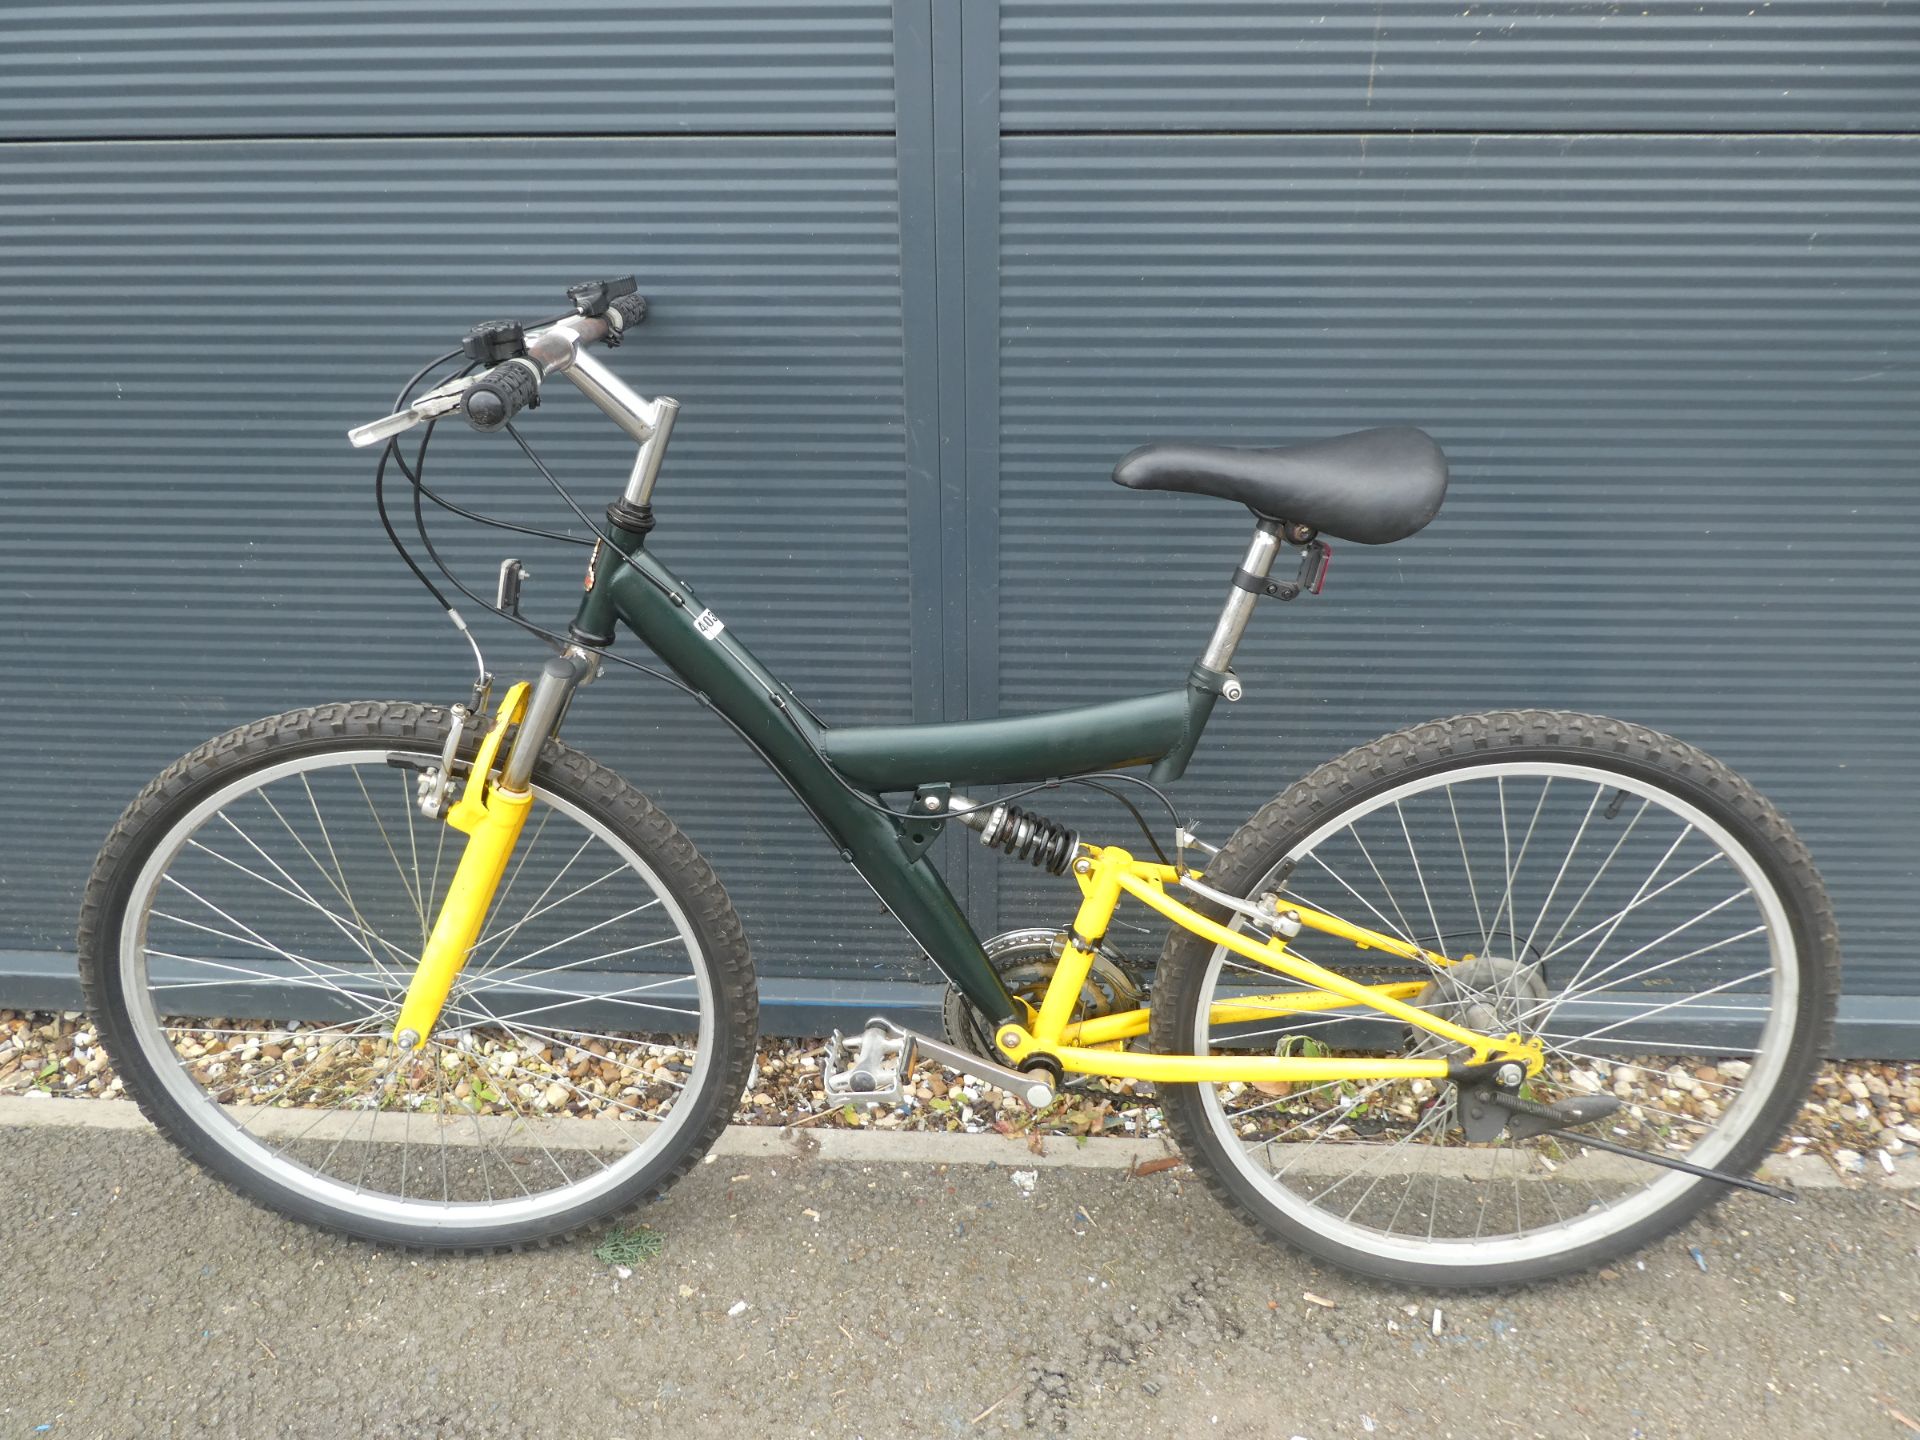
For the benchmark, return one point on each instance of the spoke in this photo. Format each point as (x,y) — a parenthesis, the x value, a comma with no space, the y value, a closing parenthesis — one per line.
(1373,1163)
(1572,987)
(1345,1108)
(506,1091)
(360,931)
(1554,889)
(578,934)
(1479,918)
(1385,923)
(385,839)
(550,970)
(1641,897)
(261,1107)
(338,924)
(1286,1099)
(1582,995)
(1406,930)
(1597,874)
(500,902)
(1439,1108)
(556,1078)
(313,969)
(292,894)
(574,997)
(511,930)
(360,1028)
(1439,938)
(346,894)
(569,1038)
(1514,863)
(318,969)
(413,849)
(1506,850)
(500,937)
(1292,1027)
(1592,1035)
(439,849)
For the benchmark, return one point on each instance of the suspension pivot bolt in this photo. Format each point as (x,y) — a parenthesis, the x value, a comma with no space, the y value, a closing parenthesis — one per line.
(1009,1038)
(1509,1076)
(1083,867)
(932,802)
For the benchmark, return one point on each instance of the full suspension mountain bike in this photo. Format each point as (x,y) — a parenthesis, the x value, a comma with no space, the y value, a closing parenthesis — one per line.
(1483,1001)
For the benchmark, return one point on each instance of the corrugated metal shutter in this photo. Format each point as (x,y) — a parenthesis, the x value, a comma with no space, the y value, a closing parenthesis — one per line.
(1649,274)
(1674,373)
(1383,65)
(444,67)
(191,543)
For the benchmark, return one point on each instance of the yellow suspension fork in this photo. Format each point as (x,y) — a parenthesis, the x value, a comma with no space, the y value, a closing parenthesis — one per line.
(491,815)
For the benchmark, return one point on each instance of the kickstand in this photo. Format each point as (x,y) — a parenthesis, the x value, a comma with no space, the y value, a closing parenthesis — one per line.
(1487,1111)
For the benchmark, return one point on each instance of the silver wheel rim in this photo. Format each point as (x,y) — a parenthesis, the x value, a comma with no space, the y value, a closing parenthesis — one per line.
(644,1140)
(1585,1225)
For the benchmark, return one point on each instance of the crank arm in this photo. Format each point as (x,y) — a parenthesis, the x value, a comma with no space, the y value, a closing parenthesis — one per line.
(1035,1090)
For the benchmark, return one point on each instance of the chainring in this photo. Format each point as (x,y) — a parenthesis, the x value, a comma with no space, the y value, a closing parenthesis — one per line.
(1025,961)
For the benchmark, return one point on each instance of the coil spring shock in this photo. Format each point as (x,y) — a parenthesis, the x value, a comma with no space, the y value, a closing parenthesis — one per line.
(1042,843)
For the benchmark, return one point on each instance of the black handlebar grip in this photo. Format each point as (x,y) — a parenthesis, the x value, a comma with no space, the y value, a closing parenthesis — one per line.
(503,392)
(623,314)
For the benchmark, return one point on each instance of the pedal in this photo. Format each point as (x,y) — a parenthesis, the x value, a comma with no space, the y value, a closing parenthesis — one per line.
(875,1071)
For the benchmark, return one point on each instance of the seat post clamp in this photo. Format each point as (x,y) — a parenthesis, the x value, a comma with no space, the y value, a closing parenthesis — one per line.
(1315,557)
(1260,585)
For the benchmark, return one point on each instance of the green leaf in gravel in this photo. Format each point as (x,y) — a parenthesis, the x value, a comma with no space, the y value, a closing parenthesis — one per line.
(853,1115)
(628,1247)
(47,1072)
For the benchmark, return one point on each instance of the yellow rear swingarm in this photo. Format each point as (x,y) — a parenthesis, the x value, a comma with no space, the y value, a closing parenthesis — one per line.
(491,818)
(1105,874)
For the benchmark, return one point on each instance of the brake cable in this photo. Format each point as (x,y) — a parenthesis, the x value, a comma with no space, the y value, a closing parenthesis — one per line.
(416,478)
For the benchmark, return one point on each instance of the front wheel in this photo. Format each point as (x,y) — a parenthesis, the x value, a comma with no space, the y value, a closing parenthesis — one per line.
(1620,896)
(252,924)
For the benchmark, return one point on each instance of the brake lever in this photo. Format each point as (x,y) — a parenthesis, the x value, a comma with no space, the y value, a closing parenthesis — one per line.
(442,400)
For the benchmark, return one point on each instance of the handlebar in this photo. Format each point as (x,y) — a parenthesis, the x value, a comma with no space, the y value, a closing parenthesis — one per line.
(605,311)
(500,394)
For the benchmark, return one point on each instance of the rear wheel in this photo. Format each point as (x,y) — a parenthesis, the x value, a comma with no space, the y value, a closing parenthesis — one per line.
(1622,897)
(250,929)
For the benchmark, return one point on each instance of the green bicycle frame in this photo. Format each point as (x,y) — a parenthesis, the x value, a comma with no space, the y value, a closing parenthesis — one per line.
(839,773)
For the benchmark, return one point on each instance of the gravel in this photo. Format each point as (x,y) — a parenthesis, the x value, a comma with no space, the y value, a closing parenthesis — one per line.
(1861,1114)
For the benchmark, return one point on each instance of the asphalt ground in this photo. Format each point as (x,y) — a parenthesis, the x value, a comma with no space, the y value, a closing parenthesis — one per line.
(909,1286)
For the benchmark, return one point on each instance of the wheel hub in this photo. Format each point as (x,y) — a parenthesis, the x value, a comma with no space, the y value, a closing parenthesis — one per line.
(1487,993)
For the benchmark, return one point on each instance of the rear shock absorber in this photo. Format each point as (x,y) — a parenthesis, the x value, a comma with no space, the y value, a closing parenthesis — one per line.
(1045,844)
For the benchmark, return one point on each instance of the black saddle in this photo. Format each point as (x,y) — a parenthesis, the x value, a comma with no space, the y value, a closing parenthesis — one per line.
(1372,486)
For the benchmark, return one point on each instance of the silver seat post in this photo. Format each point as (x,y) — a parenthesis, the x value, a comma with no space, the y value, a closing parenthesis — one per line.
(1238,610)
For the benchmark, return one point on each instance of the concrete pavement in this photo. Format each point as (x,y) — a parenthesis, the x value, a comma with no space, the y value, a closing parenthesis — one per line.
(887,1293)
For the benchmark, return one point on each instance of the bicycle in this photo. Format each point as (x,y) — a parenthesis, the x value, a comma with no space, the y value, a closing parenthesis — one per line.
(1487,1000)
